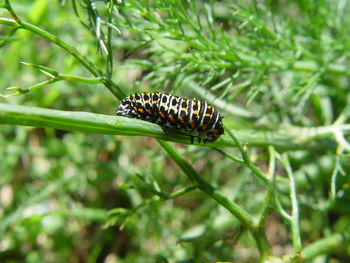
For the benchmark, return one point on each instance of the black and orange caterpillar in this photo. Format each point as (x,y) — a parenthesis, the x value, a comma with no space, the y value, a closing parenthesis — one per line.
(198,118)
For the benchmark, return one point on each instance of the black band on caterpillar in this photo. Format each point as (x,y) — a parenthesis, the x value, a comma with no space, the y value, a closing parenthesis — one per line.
(196,117)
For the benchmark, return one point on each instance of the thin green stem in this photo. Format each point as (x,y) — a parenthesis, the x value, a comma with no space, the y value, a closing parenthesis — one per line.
(44,83)
(73,78)
(18,91)
(333,187)
(165,195)
(109,40)
(9,8)
(91,67)
(247,160)
(245,218)
(182,191)
(233,158)
(324,246)
(281,210)
(266,205)
(70,49)
(59,76)
(295,207)
(272,162)
(263,245)
(231,206)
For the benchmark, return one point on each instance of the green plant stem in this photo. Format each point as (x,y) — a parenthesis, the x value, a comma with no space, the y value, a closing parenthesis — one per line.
(54,39)
(269,197)
(54,77)
(242,215)
(295,207)
(266,205)
(333,186)
(263,245)
(182,191)
(109,41)
(245,218)
(85,213)
(79,121)
(107,124)
(164,195)
(325,245)
(246,159)
(19,24)
(281,211)
(233,158)
(59,76)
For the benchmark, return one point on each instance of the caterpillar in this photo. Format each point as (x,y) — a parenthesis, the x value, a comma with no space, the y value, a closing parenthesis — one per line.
(172,112)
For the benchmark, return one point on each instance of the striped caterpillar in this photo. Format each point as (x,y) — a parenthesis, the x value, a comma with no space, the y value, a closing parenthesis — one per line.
(171,112)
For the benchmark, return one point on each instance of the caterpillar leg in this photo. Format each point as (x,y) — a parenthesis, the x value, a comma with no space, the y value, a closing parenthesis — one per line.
(192,139)
(167,128)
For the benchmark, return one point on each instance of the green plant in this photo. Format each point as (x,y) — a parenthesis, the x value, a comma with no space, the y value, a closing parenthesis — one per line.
(278,70)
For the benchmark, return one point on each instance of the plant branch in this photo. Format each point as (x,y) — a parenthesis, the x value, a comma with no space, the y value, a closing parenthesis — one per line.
(242,215)
(107,124)
(295,207)
(245,218)
(91,67)
(247,160)
(324,246)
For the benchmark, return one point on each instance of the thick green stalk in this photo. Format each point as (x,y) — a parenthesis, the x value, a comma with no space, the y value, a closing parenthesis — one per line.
(293,138)
(78,121)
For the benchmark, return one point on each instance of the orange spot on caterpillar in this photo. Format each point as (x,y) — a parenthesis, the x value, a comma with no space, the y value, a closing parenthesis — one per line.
(191,123)
(203,127)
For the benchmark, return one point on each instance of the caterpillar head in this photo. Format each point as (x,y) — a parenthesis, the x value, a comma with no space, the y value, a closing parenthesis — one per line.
(126,108)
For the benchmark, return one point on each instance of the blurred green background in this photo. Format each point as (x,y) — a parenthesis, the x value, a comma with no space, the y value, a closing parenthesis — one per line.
(75,197)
